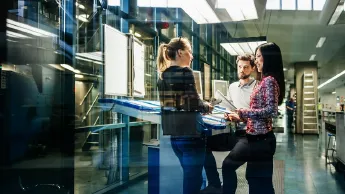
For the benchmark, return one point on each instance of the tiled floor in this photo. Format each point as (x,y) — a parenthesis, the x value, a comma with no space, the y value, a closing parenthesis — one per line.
(305,165)
(306,171)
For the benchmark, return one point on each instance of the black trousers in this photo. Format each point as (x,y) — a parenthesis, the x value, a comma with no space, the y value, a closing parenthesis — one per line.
(258,152)
(221,142)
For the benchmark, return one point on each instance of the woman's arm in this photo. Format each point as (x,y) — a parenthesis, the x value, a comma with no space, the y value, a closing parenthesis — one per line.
(269,88)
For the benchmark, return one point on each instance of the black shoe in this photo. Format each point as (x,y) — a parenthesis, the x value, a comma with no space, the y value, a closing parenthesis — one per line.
(212,190)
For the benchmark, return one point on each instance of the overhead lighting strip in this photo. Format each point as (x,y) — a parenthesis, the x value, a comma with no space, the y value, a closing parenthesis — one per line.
(240,46)
(28,29)
(320,42)
(330,80)
(201,14)
(239,10)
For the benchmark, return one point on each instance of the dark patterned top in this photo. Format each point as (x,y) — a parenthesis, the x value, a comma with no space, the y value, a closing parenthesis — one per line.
(177,89)
(263,107)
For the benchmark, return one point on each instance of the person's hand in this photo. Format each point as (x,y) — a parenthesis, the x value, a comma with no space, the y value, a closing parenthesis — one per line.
(226,117)
(234,117)
(210,108)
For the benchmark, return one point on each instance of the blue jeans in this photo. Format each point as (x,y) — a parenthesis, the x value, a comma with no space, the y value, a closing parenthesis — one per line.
(191,154)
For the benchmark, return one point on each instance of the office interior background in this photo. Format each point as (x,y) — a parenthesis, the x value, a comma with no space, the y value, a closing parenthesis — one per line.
(64,61)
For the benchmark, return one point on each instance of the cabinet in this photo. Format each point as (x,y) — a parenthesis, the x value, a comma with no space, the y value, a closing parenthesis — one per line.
(340,137)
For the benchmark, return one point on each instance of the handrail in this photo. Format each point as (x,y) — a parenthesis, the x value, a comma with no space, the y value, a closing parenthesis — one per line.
(96,121)
(87,93)
(88,112)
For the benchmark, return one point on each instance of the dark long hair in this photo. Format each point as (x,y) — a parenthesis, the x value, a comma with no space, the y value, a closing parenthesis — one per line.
(273,65)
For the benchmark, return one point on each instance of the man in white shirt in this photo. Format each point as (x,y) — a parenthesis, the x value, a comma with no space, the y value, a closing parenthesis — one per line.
(221,140)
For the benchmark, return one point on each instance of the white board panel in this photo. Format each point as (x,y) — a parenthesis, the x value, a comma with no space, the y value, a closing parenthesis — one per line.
(198,83)
(116,62)
(139,69)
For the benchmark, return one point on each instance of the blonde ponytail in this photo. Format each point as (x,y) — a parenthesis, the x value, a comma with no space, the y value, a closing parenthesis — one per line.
(162,60)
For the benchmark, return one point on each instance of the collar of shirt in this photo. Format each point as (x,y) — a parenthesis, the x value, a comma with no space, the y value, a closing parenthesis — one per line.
(251,81)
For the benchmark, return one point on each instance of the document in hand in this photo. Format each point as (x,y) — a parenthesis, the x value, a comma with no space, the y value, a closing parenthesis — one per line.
(225,102)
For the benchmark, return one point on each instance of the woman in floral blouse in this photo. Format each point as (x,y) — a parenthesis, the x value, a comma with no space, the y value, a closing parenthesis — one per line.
(258,147)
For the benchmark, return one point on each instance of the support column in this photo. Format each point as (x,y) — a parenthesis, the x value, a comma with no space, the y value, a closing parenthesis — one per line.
(196,46)
(67,46)
(300,68)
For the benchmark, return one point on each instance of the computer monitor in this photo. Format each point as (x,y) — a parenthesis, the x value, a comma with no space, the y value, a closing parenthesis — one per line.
(220,85)
(198,83)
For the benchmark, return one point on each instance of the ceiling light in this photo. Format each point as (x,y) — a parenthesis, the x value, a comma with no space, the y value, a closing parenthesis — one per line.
(289,4)
(70,68)
(240,46)
(239,10)
(318,4)
(312,57)
(336,14)
(330,80)
(28,29)
(78,76)
(284,69)
(334,92)
(304,5)
(149,75)
(96,56)
(113,2)
(320,43)
(82,17)
(201,14)
(137,34)
(79,5)
(15,35)
(229,49)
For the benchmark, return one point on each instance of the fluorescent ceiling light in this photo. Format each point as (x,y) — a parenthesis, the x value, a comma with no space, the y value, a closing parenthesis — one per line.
(82,17)
(330,80)
(312,57)
(239,46)
(113,2)
(336,14)
(137,34)
(239,10)
(149,75)
(229,49)
(70,68)
(57,67)
(79,5)
(318,4)
(334,92)
(289,4)
(78,76)
(284,69)
(320,43)
(15,35)
(273,4)
(201,14)
(28,29)
(304,5)
(96,56)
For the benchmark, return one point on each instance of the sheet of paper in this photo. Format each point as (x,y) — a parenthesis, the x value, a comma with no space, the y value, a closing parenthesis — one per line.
(225,102)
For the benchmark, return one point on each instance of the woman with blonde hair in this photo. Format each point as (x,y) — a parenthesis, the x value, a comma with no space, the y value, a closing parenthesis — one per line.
(181,107)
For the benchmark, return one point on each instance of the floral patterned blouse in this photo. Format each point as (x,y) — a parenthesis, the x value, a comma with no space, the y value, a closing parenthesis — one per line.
(263,107)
